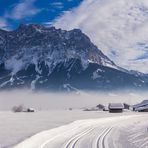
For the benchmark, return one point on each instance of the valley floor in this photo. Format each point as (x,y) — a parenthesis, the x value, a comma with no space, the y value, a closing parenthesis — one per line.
(73,129)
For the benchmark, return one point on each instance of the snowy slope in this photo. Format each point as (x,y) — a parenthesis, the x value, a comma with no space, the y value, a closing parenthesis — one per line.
(92,133)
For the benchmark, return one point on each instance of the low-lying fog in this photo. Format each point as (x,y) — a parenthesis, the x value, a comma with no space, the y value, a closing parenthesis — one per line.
(47,101)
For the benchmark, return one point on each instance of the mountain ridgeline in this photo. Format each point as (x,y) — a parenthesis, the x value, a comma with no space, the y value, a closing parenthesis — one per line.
(45,58)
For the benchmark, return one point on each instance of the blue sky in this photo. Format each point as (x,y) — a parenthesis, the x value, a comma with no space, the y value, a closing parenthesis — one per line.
(15,12)
(118,27)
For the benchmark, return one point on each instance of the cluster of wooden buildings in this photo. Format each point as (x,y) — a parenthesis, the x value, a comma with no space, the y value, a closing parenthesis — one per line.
(120,107)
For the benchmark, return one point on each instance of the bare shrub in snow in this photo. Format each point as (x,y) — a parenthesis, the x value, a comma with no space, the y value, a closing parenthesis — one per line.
(19,108)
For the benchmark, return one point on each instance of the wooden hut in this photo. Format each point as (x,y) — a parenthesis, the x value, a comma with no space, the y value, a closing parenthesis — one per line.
(115,107)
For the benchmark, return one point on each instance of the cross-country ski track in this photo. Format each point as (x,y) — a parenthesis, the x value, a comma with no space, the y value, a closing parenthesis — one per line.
(90,133)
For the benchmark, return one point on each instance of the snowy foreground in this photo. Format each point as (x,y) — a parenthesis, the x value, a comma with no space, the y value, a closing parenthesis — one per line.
(126,131)
(64,125)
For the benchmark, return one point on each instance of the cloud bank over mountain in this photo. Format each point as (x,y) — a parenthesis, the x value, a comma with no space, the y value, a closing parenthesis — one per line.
(118,27)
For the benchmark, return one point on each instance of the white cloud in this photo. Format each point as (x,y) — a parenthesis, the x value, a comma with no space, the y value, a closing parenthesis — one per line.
(58,5)
(117,27)
(3,23)
(25,8)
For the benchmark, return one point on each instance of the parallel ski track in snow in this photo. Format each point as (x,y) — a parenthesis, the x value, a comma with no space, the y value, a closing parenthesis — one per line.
(72,142)
(98,143)
(101,140)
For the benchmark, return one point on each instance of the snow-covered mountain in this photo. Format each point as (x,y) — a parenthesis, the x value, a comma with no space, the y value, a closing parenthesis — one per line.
(37,57)
(35,43)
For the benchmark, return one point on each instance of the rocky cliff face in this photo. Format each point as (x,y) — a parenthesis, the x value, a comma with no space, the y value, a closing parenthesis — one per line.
(36,57)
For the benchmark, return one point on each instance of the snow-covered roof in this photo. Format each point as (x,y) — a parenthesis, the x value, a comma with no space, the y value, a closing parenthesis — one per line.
(116,106)
(143,103)
(31,108)
(142,108)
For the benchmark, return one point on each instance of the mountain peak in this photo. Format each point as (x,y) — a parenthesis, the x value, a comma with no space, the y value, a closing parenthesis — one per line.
(35,53)
(21,26)
(51,44)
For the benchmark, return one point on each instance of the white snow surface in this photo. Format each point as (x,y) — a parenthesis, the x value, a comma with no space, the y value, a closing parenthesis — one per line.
(54,110)
(90,133)
(33,83)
